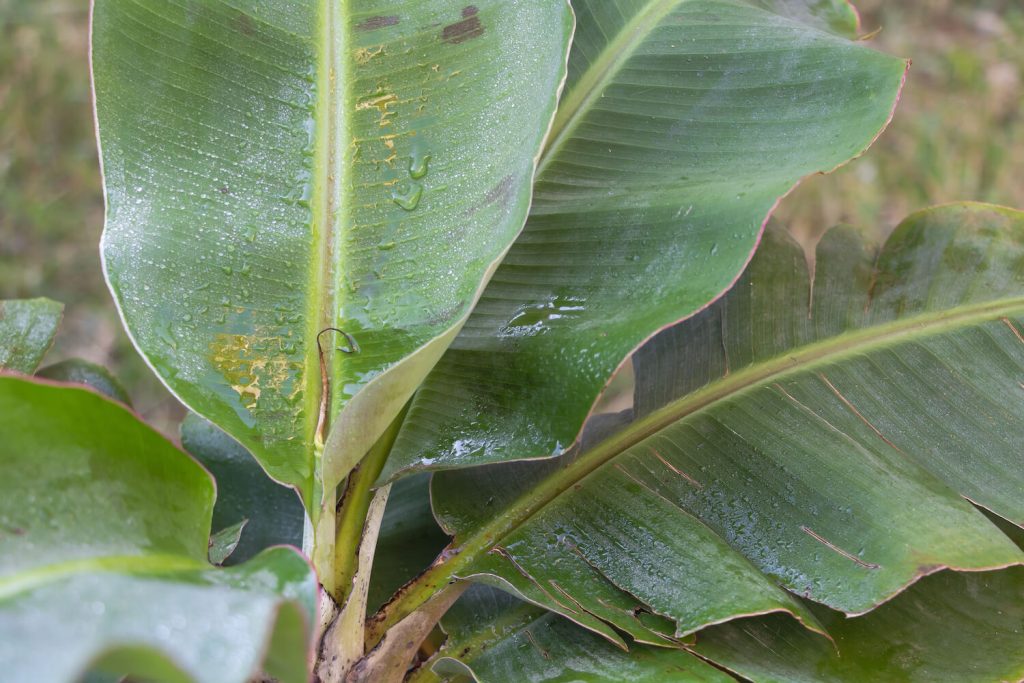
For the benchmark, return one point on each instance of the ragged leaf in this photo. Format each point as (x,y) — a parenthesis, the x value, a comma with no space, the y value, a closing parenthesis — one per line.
(494,638)
(104,527)
(967,628)
(682,124)
(824,438)
(27,328)
(274,169)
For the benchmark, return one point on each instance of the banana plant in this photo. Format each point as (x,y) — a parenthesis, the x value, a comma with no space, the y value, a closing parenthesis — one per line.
(392,254)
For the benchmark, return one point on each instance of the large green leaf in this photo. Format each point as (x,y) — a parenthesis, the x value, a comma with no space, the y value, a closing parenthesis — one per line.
(967,628)
(825,436)
(494,638)
(273,513)
(683,123)
(276,168)
(27,328)
(103,539)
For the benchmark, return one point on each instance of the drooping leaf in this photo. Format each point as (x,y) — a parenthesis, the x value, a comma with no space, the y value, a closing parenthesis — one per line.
(274,169)
(967,628)
(103,555)
(78,371)
(27,328)
(683,123)
(494,638)
(827,436)
(244,492)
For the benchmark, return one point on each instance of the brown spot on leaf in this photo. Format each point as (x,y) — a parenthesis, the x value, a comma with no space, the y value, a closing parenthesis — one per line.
(374,23)
(467,29)
(245,24)
(500,193)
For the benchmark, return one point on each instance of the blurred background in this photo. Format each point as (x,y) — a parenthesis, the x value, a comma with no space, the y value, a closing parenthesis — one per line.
(959,134)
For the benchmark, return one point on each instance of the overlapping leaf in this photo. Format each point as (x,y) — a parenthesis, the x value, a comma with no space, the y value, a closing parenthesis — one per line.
(103,543)
(273,169)
(823,437)
(682,124)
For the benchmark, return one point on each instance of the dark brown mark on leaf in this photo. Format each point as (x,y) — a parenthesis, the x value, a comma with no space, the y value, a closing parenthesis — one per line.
(500,194)
(543,653)
(374,23)
(245,24)
(467,29)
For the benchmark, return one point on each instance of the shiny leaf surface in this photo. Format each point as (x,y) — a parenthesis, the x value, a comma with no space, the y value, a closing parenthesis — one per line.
(104,528)
(276,168)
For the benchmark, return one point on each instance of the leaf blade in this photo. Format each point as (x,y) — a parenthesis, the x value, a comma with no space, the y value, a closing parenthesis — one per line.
(243,143)
(103,535)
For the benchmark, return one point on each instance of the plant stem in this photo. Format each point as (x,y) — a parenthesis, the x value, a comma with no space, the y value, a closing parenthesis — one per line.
(355,503)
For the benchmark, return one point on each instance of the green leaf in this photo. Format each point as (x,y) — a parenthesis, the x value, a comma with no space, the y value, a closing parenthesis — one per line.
(78,371)
(27,328)
(273,169)
(103,541)
(967,628)
(683,123)
(224,542)
(494,638)
(244,492)
(825,437)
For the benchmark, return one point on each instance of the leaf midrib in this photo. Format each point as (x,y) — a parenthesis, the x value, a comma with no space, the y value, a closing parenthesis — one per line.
(775,369)
(330,176)
(595,79)
(36,577)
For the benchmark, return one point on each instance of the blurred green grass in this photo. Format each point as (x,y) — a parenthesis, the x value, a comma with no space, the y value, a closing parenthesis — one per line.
(958,134)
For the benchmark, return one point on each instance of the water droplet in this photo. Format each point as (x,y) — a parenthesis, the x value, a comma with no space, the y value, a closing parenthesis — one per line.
(187,317)
(410,199)
(386,246)
(714,249)
(418,165)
